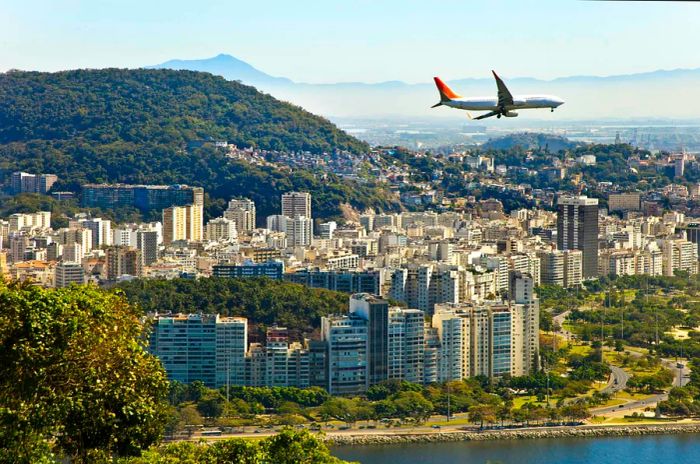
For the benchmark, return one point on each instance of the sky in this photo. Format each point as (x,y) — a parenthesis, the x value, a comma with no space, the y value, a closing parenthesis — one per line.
(323,41)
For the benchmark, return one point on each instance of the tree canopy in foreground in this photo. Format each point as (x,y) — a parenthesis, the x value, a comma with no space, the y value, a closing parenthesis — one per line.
(75,379)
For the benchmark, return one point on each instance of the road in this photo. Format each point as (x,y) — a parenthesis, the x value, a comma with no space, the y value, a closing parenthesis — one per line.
(680,377)
(618,380)
(619,377)
(559,320)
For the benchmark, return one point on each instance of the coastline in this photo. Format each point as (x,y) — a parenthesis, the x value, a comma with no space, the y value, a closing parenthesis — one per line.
(593,431)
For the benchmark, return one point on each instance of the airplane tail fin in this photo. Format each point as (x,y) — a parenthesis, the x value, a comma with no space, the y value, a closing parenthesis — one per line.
(446,93)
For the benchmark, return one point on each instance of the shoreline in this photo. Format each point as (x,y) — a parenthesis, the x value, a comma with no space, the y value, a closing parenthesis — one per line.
(594,431)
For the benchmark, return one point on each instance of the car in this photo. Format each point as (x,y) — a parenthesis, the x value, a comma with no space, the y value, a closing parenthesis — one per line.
(436,426)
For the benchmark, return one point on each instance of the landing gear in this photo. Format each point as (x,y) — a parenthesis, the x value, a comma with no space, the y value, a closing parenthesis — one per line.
(552,110)
(498,115)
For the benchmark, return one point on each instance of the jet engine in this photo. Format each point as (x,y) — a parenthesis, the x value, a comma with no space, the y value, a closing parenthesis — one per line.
(510,114)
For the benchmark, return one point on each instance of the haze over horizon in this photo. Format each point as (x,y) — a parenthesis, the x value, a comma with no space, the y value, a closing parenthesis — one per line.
(322,42)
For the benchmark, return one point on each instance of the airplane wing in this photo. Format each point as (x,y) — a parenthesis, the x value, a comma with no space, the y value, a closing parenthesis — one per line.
(484,116)
(504,95)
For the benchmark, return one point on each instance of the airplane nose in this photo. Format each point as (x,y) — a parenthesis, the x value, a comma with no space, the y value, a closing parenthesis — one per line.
(559,102)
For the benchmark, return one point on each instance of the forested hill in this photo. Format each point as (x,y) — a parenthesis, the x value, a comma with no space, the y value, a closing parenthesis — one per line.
(135,126)
(156,106)
(530,141)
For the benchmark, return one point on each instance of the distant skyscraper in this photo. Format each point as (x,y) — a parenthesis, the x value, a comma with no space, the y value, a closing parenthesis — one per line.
(577,229)
(123,261)
(101,231)
(147,242)
(22,182)
(221,229)
(242,212)
(296,204)
(183,223)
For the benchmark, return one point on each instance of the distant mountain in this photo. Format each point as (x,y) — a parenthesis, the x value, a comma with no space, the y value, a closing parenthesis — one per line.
(649,95)
(228,67)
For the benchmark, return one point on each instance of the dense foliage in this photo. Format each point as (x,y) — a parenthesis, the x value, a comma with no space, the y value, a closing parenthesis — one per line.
(161,107)
(262,301)
(75,379)
(287,447)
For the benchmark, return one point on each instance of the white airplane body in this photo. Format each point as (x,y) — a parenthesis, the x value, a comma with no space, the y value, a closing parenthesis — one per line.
(504,105)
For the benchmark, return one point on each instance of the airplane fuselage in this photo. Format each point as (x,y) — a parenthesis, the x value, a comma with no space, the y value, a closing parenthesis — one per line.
(491,104)
(504,104)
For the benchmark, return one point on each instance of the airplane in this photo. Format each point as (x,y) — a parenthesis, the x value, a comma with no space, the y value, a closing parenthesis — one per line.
(501,106)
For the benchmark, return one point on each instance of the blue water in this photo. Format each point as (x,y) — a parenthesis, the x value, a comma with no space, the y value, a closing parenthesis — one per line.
(653,449)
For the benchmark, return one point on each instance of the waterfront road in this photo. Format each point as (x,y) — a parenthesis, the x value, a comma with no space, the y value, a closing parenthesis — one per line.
(618,380)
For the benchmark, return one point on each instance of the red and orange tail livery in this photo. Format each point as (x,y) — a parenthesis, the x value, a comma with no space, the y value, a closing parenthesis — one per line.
(446,93)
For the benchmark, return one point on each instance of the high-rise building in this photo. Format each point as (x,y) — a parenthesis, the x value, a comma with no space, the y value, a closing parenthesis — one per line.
(183,223)
(406,346)
(101,231)
(493,338)
(208,348)
(327,229)
(299,231)
(22,182)
(29,221)
(221,229)
(679,255)
(120,261)
(278,363)
(453,331)
(296,204)
(563,268)
(147,243)
(18,247)
(577,229)
(242,212)
(144,197)
(69,273)
(79,235)
(423,286)
(376,312)
(346,339)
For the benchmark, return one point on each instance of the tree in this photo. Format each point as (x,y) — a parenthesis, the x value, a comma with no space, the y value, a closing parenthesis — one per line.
(287,447)
(75,377)
(412,404)
(482,413)
(342,409)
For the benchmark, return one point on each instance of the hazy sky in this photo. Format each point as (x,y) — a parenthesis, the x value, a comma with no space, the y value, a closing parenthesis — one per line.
(356,40)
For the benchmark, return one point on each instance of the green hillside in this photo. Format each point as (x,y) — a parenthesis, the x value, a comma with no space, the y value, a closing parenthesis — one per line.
(156,106)
(530,141)
(136,126)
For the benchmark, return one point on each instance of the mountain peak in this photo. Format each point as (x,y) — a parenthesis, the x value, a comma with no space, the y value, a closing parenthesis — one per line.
(225,65)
